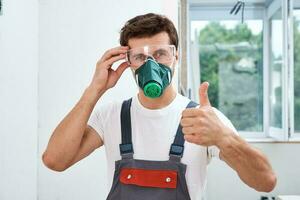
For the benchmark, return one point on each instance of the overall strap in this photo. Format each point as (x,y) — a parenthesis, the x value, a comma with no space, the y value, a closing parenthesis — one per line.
(177,148)
(126,148)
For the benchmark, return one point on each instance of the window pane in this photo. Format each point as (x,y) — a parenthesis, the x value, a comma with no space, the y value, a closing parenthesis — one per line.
(231,60)
(276,70)
(297,68)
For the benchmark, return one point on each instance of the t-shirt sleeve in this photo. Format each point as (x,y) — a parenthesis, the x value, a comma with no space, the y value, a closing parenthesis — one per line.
(214,151)
(96,121)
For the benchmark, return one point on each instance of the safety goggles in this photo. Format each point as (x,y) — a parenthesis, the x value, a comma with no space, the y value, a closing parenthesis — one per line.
(164,54)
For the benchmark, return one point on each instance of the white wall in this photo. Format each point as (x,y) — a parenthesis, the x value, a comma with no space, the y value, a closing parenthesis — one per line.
(73,36)
(18,99)
(223,182)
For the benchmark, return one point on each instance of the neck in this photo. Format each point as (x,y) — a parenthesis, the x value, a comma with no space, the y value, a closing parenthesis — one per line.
(165,99)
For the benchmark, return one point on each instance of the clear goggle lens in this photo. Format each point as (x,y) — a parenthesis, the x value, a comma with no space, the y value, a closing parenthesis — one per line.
(164,54)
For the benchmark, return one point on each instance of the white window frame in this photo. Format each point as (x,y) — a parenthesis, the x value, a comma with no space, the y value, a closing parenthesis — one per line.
(288,132)
(294,136)
(279,134)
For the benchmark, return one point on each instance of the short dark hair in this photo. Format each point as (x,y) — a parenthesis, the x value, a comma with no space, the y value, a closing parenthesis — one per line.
(146,26)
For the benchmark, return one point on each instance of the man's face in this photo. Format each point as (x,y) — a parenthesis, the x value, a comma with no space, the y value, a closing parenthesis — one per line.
(157,45)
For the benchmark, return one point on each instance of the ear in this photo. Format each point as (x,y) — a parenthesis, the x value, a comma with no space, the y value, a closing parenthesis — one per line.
(177,55)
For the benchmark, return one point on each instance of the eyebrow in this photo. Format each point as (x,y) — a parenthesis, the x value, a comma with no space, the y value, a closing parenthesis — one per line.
(139,54)
(160,50)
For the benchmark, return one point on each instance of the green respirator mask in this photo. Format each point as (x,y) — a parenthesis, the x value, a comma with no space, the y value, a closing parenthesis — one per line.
(153,78)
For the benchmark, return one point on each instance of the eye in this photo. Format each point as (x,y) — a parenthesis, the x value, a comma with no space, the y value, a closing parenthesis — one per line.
(160,53)
(139,57)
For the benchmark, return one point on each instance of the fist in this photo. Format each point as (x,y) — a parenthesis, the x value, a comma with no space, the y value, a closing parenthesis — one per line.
(201,125)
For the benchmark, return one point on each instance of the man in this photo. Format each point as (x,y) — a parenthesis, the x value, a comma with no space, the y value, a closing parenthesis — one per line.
(138,144)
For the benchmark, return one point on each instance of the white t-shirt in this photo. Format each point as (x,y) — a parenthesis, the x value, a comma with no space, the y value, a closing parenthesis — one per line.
(153,133)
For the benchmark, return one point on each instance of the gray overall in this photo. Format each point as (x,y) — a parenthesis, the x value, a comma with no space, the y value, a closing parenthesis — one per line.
(144,179)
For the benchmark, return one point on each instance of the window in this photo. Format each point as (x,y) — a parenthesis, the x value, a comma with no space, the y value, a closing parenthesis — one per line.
(276,70)
(230,58)
(296,61)
(230,55)
(253,67)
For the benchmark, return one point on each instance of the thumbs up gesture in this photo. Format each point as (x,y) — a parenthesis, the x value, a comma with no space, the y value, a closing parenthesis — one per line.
(201,125)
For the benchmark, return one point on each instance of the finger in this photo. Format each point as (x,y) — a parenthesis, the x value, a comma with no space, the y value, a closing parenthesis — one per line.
(187,121)
(188,130)
(203,96)
(191,112)
(112,60)
(113,52)
(191,138)
(121,68)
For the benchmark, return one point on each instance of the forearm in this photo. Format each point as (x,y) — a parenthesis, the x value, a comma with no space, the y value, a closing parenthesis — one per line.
(250,164)
(66,138)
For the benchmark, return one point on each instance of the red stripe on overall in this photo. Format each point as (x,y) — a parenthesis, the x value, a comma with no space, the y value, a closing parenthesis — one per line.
(149,178)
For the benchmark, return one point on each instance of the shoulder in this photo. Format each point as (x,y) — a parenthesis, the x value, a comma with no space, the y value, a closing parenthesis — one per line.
(183,99)
(108,108)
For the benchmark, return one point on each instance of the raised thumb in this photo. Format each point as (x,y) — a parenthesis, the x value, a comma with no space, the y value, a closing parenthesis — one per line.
(203,96)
